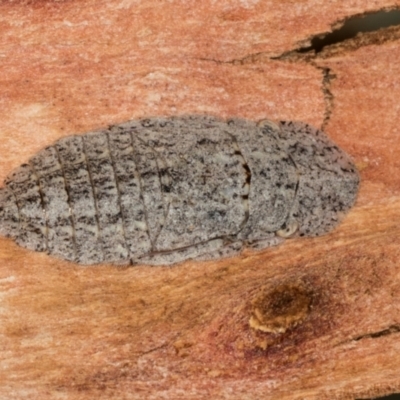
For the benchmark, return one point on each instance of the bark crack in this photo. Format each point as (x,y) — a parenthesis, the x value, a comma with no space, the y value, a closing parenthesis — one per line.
(373,335)
(390,330)
(351,33)
(350,27)
(327,77)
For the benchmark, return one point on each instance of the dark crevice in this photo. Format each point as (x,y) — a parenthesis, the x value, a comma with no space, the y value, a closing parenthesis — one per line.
(327,77)
(390,397)
(370,22)
(384,22)
(392,329)
(152,350)
(384,332)
(347,29)
(351,27)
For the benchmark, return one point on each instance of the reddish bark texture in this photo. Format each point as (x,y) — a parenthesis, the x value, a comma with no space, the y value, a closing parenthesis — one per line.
(183,333)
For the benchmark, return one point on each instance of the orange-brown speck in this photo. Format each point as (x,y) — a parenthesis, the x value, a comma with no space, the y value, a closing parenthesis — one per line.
(281,308)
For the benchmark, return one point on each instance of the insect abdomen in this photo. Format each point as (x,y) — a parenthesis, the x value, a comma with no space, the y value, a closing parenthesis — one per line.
(161,191)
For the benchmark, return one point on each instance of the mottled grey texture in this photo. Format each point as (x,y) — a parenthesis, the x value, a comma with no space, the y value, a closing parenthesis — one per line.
(164,190)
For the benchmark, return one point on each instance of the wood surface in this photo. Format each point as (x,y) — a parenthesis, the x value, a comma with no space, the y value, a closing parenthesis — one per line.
(73,332)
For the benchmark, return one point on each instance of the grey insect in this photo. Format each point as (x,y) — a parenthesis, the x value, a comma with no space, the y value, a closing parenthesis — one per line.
(164,190)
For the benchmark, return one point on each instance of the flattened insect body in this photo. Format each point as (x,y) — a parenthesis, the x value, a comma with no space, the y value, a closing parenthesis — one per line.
(164,190)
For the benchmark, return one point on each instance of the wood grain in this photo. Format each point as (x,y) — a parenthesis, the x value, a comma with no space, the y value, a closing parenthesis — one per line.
(183,333)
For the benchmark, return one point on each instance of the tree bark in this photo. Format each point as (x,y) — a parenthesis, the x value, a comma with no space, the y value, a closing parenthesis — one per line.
(183,332)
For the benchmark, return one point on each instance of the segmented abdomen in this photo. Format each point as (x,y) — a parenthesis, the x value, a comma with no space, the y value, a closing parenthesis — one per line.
(119,195)
(164,190)
(78,203)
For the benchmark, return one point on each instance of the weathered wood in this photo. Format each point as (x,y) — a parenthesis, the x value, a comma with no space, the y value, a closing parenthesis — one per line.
(184,332)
